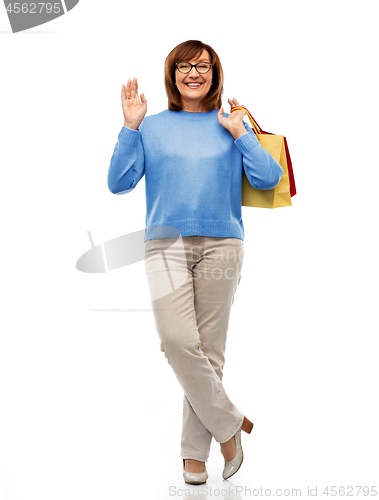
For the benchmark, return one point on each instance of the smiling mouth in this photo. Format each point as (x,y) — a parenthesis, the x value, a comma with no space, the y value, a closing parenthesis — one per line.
(194,85)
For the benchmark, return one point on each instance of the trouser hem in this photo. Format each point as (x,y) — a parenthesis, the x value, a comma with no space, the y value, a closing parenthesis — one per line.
(189,456)
(231,434)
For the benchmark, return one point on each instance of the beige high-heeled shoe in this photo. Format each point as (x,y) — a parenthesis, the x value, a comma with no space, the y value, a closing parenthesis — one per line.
(194,477)
(232,466)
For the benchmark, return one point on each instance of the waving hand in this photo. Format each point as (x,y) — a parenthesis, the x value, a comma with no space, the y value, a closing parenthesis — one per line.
(134,110)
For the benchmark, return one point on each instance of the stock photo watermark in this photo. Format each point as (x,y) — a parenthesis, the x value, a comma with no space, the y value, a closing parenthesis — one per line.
(167,261)
(236,492)
(25,15)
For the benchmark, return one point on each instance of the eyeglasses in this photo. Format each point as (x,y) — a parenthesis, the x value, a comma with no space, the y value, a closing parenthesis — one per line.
(186,67)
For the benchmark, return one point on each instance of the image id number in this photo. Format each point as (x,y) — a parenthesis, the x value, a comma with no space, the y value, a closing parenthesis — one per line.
(34,8)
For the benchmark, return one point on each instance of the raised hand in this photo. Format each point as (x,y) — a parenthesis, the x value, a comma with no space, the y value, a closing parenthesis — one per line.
(134,110)
(234,122)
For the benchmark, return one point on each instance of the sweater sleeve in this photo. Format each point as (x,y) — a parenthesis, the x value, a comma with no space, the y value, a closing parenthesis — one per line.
(128,162)
(262,170)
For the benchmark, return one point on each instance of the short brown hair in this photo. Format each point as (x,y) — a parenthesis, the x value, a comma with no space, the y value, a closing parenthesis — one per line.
(185,52)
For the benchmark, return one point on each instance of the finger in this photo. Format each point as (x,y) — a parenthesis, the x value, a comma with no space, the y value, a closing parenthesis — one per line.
(136,88)
(143,101)
(123,94)
(133,93)
(233,103)
(128,88)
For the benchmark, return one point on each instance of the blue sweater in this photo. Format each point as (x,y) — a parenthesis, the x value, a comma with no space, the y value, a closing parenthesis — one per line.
(193,169)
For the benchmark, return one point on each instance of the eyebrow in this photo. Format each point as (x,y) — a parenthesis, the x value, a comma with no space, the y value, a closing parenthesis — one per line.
(202,60)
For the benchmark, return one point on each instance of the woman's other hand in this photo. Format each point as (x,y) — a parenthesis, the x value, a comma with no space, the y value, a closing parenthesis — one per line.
(134,110)
(234,122)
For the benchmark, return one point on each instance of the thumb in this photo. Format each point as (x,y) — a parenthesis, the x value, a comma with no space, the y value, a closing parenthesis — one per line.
(143,100)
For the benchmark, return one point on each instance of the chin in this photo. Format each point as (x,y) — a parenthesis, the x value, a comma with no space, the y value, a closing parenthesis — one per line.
(196,98)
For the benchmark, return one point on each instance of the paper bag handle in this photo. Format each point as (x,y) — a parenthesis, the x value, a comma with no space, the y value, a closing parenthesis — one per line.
(257,129)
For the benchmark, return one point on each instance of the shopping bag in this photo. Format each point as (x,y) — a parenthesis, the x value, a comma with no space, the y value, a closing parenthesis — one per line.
(277,146)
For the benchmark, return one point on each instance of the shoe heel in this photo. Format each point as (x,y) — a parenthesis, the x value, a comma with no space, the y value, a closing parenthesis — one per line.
(247,426)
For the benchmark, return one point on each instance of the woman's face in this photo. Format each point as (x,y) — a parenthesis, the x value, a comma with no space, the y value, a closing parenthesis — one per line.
(194,86)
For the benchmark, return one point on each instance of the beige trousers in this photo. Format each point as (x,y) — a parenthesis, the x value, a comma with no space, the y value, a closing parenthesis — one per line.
(192,281)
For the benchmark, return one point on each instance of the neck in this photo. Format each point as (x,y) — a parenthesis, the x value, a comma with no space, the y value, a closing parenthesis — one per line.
(193,107)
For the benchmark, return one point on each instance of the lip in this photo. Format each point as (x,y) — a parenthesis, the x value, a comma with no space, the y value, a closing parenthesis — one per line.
(194,88)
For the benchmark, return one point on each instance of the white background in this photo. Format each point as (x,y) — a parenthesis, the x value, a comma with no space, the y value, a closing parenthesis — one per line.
(91,407)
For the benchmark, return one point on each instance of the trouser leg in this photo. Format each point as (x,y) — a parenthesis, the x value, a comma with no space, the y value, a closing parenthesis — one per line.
(176,324)
(215,277)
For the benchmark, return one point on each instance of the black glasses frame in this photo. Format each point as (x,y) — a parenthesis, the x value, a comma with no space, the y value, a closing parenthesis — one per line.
(193,66)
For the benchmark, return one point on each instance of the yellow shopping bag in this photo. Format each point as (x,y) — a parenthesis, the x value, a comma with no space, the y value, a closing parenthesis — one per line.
(279,196)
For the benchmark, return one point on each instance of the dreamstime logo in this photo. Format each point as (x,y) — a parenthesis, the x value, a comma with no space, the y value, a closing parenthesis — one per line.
(130,248)
(165,259)
(26,14)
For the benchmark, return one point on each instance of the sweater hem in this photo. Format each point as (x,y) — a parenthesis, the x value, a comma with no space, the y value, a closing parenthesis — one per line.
(192,227)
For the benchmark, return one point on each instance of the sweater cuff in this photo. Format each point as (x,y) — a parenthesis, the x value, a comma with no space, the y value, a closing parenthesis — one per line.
(128,137)
(246,142)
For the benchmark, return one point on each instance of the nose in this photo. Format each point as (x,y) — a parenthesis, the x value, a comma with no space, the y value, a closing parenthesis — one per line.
(193,72)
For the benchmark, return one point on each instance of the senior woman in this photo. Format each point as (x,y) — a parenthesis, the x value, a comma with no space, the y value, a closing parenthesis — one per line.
(193,155)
